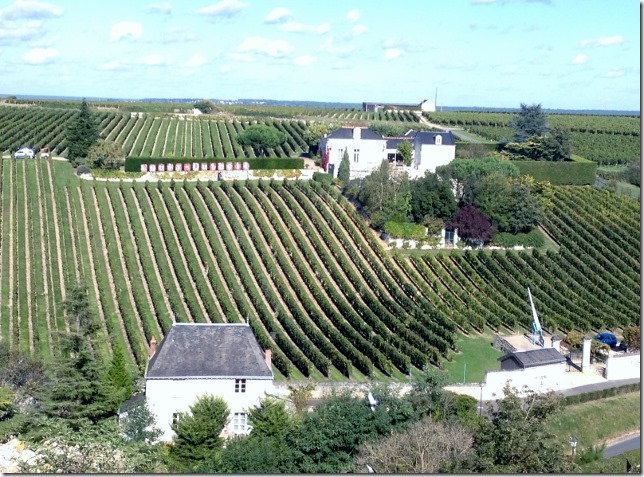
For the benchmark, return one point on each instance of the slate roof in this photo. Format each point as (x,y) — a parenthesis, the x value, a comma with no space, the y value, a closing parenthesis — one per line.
(535,357)
(392,142)
(192,350)
(347,133)
(429,137)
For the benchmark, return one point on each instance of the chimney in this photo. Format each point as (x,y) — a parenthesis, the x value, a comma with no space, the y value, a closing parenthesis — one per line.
(268,356)
(356,133)
(153,347)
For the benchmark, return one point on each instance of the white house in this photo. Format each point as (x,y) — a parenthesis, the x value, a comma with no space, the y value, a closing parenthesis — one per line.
(194,359)
(367,149)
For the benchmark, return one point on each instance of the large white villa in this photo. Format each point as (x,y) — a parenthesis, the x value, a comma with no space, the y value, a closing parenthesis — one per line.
(194,359)
(367,149)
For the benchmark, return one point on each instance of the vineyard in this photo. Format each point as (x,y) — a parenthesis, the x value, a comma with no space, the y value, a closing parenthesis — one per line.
(295,261)
(168,136)
(604,139)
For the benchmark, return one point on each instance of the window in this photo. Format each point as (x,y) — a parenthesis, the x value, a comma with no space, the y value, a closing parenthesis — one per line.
(240,385)
(175,417)
(439,140)
(239,422)
(340,154)
(356,155)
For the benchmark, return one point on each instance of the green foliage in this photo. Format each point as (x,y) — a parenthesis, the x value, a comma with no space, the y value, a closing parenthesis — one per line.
(316,131)
(322,177)
(140,425)
(554,146)
(261,137)
(197,437)
(427,393)
(389,129)
(559,173)
(385,195)
(431,195)
(491,194)
(133,164)
(405,230)
(632,337)
(270,419)
(434,224)
(118,375)
(472,225)
(90,448)
(300,396)
(601,394)
(247,455)
(516,440)
(529,121)
(575,339)
(105,155)
(7,406)
(406,150)
(205,106)
(344,170)
(533,238)
(633,173)
(82,133)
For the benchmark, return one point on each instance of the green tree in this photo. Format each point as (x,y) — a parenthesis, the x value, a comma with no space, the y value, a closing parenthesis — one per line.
(526,212)
(528,122)
(344,170)
(431,196)
(314,132)
(464,172)
(427,390)
(632,337)
(261,137)
(7,405)
(270,419)
(118,374)
(385,195)
(492,195)
(516,440)
(197,439)
(105,155)
(140,425)
(205,106)
(406,150)
(248,455)
(82,133)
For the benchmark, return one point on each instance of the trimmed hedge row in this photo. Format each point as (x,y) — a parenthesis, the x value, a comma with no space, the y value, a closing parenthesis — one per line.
(559,173)
(601,394)
(534,238)
(133,164)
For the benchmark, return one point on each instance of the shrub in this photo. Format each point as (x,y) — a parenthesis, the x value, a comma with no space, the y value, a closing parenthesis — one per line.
(322,177)
(82,170)
(404,230)
(534,238)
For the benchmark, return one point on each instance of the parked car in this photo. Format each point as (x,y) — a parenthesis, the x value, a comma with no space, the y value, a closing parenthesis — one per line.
(44,153)
(607,338)
(24,152)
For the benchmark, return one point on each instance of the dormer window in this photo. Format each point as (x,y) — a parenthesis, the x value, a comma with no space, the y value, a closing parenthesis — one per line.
(438,140)
(240,385)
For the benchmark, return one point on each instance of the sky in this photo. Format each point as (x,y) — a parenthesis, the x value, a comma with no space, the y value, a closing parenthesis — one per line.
(563,54)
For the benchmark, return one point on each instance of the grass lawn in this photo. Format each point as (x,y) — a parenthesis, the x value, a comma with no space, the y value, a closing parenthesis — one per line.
(594,422)
(475,357)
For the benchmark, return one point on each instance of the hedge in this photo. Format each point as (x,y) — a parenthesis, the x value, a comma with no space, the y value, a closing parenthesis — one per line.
(133,164)
(405,230)
(601,394)
(323,177)
(577,172)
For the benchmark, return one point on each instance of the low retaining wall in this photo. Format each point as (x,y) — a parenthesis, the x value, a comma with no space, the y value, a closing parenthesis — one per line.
(624,366)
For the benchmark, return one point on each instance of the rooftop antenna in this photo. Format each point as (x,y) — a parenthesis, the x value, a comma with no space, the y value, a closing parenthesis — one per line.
(537,331)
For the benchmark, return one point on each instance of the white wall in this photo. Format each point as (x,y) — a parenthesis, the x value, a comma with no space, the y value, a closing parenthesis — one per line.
(166,396)
(539,378)
(427,157)
(623,366)
(372,152)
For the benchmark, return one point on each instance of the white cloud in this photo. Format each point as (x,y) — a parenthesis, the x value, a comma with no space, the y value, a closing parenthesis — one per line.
(341,65)
(7,34)
(225,8)
(615,73)
(296,27)
(195,61)
(39,56)
(30,9)
(353,15)
(604,41)
(164,8)
(122,30)
(579,60)
(342,51)
(305,60)
(112,65)
(265,46)
(277,15)
(391,53)
(154,59)
(358,30)
(225,69)
(176,35)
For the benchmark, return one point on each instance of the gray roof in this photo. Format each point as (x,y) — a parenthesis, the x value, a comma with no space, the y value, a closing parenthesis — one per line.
(347,133)
(535,357)
(392,142)
(196,350)
(429,137)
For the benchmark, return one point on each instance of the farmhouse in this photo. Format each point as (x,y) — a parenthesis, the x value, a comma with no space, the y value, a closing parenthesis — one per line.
(367,149)
(193,359)
(424,105)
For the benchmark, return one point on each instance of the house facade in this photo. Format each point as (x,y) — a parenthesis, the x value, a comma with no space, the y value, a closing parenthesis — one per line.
(367,149)
(194,359)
